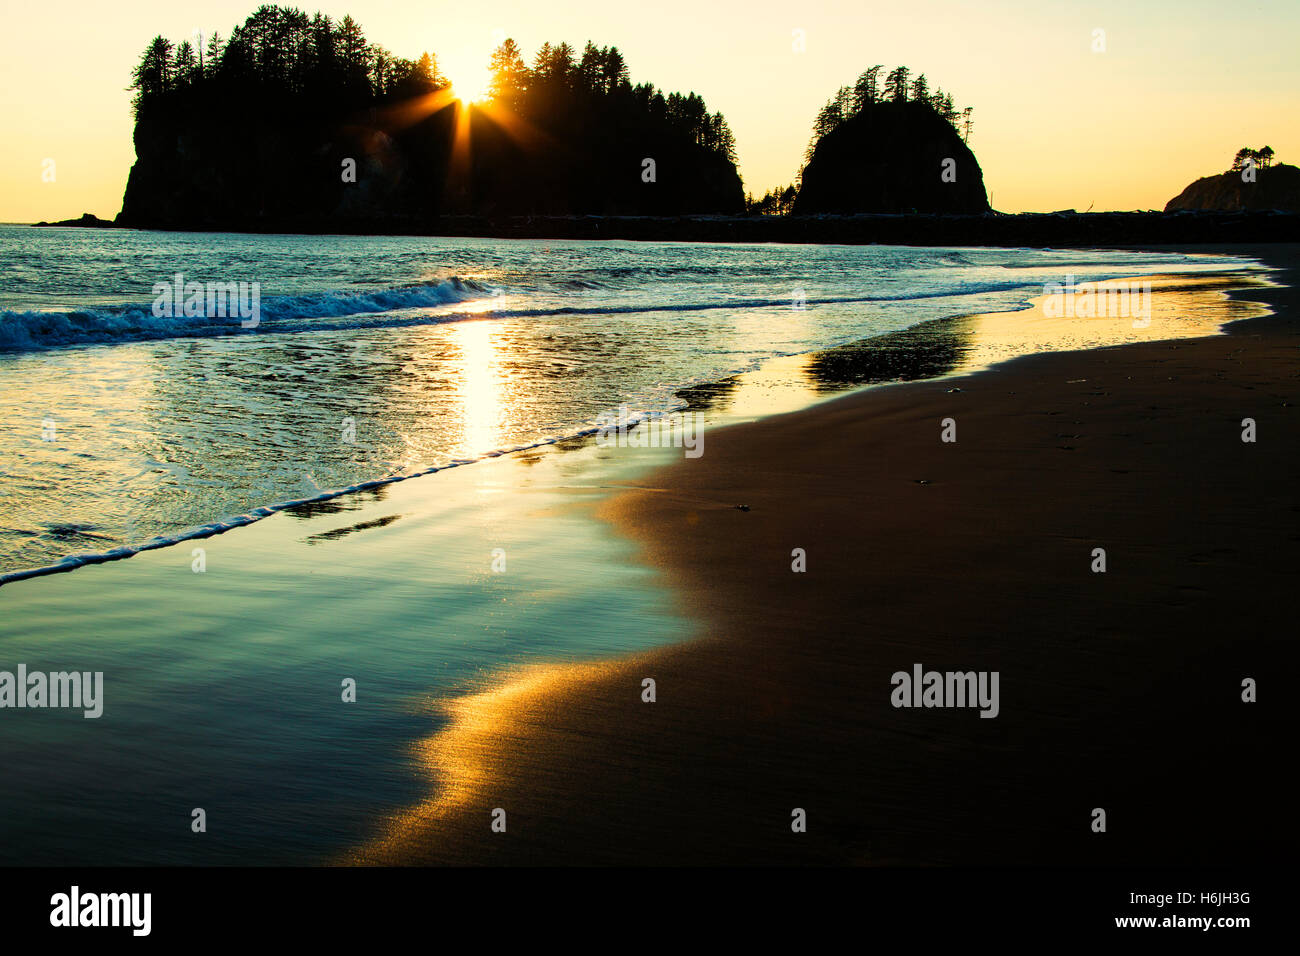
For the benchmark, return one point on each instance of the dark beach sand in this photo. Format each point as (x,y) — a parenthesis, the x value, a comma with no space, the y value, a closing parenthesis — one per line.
(1119,690)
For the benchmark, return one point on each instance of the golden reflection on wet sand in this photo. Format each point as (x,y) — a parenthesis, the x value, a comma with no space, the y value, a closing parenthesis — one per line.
(522,712)
(462,760)
(1180,307)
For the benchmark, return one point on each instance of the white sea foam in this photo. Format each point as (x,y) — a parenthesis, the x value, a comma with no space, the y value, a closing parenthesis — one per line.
(137,321)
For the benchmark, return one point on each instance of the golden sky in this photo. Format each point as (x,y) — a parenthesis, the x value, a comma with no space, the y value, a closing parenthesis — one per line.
(1179,88)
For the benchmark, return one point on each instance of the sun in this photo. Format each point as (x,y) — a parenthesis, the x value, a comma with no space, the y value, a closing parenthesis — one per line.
(472,84)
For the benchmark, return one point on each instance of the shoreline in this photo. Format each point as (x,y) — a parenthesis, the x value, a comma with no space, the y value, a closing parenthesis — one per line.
(1064,229)
(1012,320)
(919,552)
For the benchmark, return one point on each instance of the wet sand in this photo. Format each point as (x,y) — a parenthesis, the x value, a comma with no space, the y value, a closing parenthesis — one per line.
(1118,690)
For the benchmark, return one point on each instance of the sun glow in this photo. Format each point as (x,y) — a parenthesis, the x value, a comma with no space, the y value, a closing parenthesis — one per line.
(471,84)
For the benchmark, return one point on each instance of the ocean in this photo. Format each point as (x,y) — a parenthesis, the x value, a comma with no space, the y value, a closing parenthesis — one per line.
(379,357)
(226,659)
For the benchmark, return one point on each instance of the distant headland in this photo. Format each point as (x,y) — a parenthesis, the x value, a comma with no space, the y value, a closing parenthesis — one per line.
(1253,183)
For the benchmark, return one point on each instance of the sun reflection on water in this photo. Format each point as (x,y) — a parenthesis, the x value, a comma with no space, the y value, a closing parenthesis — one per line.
(480,384)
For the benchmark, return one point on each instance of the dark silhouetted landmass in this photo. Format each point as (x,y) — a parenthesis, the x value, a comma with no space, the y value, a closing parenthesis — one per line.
(892,157)
(1274,187)
(88,220)
(891,147)
(299,123)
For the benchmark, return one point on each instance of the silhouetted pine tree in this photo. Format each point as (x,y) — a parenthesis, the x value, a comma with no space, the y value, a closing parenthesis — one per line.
(867,92)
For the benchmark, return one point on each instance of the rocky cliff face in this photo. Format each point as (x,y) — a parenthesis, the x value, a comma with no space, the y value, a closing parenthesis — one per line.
(197,174)
(200,174)
(1277,187)
(891,158)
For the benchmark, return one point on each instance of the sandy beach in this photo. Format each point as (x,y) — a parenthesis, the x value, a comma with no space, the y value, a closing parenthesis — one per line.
(1119,690)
